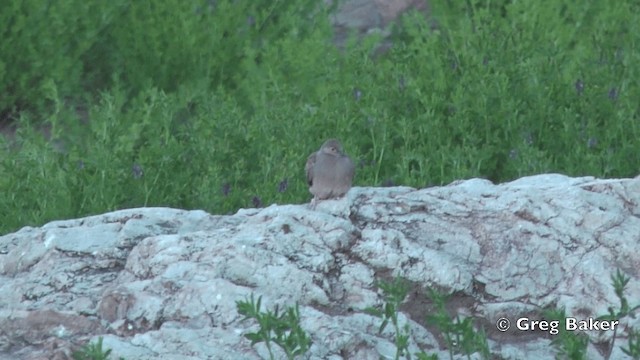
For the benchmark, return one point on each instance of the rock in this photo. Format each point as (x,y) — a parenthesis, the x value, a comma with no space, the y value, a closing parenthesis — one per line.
(363,17)
(159,283)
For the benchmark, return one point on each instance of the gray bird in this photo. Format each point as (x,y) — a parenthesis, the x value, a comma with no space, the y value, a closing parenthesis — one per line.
(329,172)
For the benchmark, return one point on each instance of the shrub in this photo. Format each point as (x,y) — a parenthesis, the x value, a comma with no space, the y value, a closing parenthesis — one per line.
(216,105)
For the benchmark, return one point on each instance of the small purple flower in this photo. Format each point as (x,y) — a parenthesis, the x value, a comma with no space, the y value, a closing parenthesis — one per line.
(513,154)
(401,83)
(226,189)
(579,85)
(592,142)
(283,185)
(257,202)
(80,164)
(485,61)
(137,171)
(613,94)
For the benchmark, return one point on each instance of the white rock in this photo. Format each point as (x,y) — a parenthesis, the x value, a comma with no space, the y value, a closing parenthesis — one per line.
(159,283)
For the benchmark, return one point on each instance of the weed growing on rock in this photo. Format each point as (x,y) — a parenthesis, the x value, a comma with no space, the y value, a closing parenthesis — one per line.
(92,351)
(394,294)
(633,347)
(283,329)
(620,282)
(569,344)
(573,344)
(459,333)
(423,356)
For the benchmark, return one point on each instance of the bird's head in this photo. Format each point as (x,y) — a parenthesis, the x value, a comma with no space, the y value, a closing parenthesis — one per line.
(332,147)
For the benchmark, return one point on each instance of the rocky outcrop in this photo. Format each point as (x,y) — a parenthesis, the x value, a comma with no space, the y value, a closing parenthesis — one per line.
(159,283)
(362,17)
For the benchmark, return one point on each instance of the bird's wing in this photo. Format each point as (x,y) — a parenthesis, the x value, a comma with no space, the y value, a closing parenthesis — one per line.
(348,168)
(308,168)
(352,168)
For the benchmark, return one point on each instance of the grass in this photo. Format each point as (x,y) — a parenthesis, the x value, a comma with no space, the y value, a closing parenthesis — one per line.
(216,107)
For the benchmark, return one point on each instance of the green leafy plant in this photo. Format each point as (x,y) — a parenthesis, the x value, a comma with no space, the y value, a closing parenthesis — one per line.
(569,344)
(209,105)
(424,356)
(92,351)
(394,294)
(42,49)
(282,329)
(459,333)
(620,281)
(633,346)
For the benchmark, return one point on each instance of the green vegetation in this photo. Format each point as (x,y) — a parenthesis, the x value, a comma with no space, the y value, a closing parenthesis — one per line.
(573,344)
(462,338)
(93,352)
(394,293)
(283,329)
(214,105)
(459,334)
(620,282)
(568,344)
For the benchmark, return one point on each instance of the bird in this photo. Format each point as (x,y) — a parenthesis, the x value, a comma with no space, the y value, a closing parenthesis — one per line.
(329,172)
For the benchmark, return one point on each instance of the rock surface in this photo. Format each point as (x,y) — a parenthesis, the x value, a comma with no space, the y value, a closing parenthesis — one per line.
(362,17)
(159,283)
